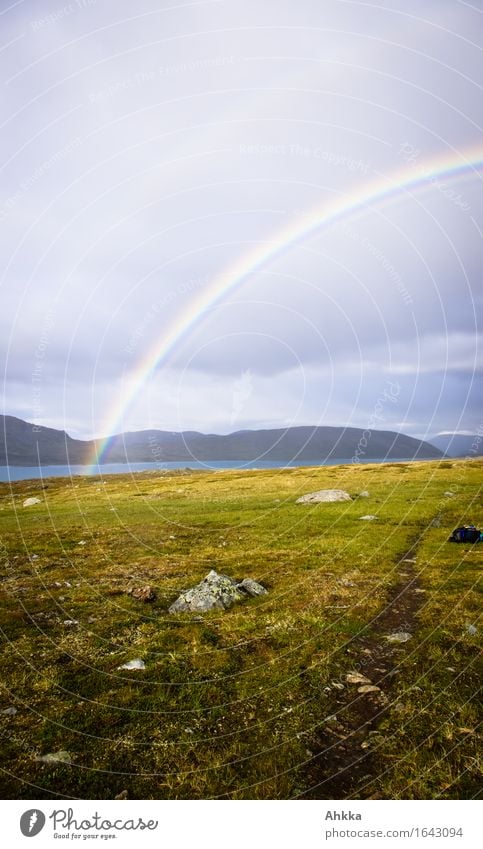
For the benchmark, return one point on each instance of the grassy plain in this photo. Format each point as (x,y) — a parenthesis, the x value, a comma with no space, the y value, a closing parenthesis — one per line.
(251,703)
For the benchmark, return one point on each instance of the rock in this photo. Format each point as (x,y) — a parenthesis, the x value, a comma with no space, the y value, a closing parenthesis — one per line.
(398,637)
(364,494)
(122,795)
(55,757)
(367,518)
(368,688)
(81,542)
(357,678)
(10,711)
(137,663)
(471,629)
(70,622)
(252,587)
(145,594)
(448,494)
(29,502)
(345,582)
(324,495)
(215,592)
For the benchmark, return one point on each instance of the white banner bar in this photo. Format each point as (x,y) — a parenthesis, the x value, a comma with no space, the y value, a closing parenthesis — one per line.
(241,825)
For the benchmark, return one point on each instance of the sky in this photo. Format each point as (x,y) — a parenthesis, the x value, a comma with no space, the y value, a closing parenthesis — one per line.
(148,148)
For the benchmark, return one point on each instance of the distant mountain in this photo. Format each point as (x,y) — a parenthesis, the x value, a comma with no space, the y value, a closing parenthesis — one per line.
(459,445)
(23,444)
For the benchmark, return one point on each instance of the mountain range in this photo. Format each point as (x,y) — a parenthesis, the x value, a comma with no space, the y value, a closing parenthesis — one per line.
(26,444)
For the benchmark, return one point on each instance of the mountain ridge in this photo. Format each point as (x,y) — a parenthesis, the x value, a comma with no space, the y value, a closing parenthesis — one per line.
(23,444)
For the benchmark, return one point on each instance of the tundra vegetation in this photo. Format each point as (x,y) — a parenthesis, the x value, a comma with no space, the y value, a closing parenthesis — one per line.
(354,677)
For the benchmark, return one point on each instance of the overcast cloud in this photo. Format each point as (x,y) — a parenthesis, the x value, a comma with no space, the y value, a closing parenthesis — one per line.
(147,147)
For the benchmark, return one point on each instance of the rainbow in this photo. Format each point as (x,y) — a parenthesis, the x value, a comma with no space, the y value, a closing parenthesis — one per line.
(380,190)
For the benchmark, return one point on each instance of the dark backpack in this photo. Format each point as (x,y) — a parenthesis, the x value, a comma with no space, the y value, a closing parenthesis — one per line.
(467,533)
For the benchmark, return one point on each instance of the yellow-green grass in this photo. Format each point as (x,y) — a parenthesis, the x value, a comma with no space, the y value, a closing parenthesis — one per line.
(230,703)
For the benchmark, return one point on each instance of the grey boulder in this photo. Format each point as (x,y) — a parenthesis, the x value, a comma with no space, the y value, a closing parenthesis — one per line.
(216,592)
(324,495)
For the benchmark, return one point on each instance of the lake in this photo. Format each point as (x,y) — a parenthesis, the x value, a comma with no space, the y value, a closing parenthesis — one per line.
(18,473)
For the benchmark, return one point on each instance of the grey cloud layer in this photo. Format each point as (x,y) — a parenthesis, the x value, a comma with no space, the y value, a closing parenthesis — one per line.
(146,150)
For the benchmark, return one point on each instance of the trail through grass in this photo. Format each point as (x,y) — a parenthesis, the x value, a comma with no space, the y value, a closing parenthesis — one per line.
(253,702)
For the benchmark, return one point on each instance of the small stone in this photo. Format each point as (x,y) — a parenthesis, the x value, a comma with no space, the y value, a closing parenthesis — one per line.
(398,637)
(145,594)
(369,688)
(55,757)
(364,494)
(29,502)
(448,494)
(471,629)
(122,795)
(357,678)
(81,542)
(70,622)
(137,663)
(10,711)
(367,518)
(252,587)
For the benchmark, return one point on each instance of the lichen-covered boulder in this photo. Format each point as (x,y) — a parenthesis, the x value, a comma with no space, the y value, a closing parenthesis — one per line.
(215,592)
(324,495)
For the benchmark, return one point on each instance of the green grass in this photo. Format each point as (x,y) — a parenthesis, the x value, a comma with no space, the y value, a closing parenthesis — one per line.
(229,703)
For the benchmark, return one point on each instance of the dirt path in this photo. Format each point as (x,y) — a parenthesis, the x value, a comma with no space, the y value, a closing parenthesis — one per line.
(344,760)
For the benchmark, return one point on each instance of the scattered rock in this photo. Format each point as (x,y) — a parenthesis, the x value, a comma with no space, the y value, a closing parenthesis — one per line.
(29,502)
(71,622)
(145,594)
(216,592)
(252,587)
(345,582)
(367,518)
(364,494)
(122,795)
(10,711)
(357,678)
(324,495)
(55,757)
(369,688)
(137,663)
(398,637)
(81,542)
(448,494)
